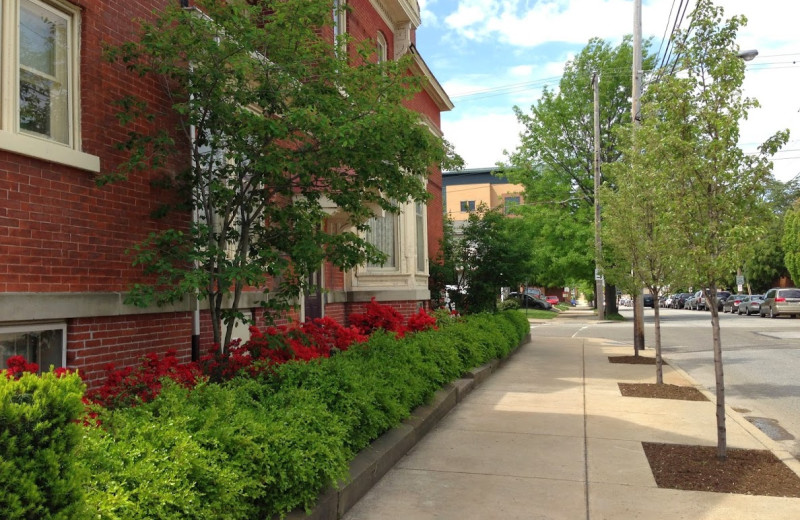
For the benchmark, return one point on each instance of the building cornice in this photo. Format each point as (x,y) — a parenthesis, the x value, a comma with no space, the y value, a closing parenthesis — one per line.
(432,87)
(397,13)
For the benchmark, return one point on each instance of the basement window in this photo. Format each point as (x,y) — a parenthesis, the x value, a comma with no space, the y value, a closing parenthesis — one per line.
(42,343)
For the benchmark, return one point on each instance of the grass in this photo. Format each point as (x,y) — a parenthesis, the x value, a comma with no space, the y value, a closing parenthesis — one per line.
(538,314)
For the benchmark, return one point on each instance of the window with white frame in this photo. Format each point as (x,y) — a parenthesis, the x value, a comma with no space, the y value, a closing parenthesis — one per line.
(420,230)
(382,49)
(382,234)
(40,88)
(43,344)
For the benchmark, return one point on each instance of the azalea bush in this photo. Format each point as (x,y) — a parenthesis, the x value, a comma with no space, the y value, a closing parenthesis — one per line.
(318,338)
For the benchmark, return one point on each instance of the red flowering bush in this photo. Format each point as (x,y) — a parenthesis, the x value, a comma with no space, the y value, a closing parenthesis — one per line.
(313,339)
(17,365)
(310,340)
(421,321)
(378,316)
(130,385)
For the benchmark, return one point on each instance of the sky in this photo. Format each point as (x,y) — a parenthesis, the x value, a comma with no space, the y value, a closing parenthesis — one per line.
(492,55)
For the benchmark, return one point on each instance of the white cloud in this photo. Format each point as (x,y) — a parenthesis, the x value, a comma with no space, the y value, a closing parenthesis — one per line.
(426,13)
(516,31)
(482,138)
(521,71)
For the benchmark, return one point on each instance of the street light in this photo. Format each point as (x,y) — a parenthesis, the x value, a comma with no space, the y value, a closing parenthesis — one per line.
(748,55)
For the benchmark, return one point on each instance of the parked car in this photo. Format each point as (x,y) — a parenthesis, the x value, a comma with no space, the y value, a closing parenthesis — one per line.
(647,300)
(750,304)
(696,302)
(731,303)
(680,301)
(721,296)
(668,301)
(781,301)
(552,300)
(526,301)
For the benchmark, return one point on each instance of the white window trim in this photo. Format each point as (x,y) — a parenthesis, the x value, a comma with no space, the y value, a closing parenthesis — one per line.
(38,326)
(424,238)
(11,138)
(382,48)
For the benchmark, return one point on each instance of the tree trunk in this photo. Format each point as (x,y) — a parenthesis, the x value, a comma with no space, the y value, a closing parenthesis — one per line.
(611,300)
(657,326)
(638,322)
(722,441)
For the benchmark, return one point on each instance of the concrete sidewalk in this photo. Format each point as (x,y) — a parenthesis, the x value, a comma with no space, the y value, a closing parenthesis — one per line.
(548,435)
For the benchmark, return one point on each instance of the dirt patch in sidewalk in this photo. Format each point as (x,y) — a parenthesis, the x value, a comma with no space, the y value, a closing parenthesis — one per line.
(663,391)
(632,360)
(697,468)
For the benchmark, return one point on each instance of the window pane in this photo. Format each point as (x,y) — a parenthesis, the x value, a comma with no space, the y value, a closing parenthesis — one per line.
(44,65)
(420,221)
(382,235)
(44,347)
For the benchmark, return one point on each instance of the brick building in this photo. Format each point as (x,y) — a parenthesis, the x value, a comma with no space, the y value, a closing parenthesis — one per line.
(64,268)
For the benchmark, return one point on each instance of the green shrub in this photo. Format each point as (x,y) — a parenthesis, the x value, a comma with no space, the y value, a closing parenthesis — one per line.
(257,447)
(234,451)
(38,438)
(508,304)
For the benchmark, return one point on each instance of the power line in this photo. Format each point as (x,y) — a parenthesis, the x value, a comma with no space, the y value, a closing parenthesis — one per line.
(512,88)
(666,28)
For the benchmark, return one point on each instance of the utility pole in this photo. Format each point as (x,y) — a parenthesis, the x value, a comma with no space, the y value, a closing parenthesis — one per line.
(636,94)
(598,243)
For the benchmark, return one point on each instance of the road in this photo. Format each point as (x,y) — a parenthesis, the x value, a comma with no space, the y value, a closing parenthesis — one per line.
(761,360)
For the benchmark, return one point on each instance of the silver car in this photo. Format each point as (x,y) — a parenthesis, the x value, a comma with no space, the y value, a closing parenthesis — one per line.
(750,304)
(781,301)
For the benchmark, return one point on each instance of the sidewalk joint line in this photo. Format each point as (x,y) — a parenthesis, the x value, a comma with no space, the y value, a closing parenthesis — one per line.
(585,431)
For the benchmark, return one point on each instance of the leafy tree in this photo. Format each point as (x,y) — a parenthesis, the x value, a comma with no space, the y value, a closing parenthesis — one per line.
(555,159)
(717,190)
(763,260)
(283,126)
(494,251)
(791,241)
(637,228)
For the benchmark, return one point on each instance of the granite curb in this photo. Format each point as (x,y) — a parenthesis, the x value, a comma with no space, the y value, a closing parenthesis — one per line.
(374,461)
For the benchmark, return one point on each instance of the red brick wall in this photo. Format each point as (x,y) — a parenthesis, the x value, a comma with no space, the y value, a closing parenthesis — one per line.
(93,343)
(61,232)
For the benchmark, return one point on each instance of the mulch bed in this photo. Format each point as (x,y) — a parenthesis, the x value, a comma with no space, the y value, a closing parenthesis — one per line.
(662,391)
(633,360)
(697,468)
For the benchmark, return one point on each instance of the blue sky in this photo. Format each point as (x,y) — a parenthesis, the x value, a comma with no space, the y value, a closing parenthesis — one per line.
(490,55)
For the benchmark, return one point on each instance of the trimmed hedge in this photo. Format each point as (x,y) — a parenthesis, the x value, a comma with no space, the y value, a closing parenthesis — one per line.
(260,447)
(39,477)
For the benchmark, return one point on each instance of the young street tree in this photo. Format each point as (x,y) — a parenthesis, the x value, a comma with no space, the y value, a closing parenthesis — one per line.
(637,233)
(555,159)
(283,126)
(716,190)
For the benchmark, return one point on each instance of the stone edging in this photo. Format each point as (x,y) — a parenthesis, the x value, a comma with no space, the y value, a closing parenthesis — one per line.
(374,461)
